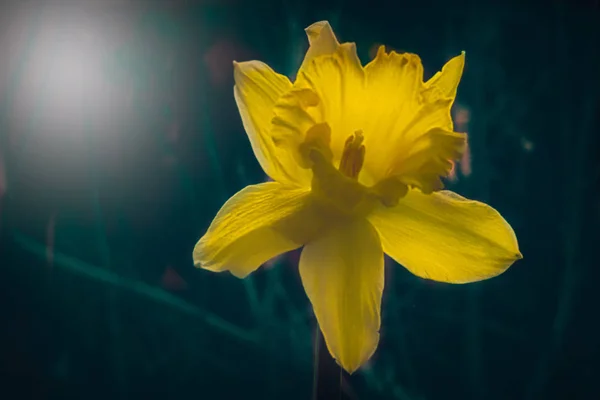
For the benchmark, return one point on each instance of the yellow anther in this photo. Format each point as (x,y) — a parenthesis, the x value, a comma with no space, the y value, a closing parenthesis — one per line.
(353,156)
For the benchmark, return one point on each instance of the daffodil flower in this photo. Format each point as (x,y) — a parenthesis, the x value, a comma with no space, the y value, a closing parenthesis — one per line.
(356,155)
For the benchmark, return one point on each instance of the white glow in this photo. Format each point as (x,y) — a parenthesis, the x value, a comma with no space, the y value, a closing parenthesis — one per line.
(66,70)
(69,67)
(64,82)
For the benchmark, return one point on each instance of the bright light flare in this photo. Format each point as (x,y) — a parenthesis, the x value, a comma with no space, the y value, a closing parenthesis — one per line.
(66,68)
(64,80)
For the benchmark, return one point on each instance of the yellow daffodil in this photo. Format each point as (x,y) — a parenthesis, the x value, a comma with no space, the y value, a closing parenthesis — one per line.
(356,155)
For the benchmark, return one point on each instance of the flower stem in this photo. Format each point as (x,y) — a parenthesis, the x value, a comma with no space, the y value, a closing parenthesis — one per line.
(327,376)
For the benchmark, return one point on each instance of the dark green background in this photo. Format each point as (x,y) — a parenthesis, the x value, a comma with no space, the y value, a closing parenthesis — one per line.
(121,203)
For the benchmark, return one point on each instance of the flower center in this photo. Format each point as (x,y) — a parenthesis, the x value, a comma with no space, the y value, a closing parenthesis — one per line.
(353,156)
(339,189)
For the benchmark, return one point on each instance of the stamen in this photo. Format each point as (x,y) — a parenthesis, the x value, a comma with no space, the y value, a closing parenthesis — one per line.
(353,156)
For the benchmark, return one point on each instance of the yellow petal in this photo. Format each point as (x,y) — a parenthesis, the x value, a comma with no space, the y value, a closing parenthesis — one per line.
(409,118)
(446,80)
(428,158)
(394,84)
(322,41)
(256,224)
(445,237)
(293,119)
(334,84)
(407,126)
(257,88)
(342,272)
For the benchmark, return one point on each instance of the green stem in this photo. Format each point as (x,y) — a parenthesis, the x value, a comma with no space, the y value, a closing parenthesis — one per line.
(328,376)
